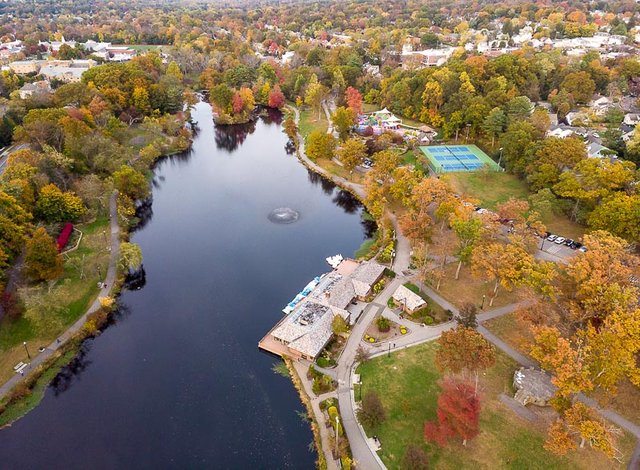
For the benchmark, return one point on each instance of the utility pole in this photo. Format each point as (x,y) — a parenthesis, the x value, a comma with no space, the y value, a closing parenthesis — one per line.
(25,348)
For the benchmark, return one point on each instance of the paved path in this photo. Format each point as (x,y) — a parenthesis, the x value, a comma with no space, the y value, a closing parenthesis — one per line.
(112,272)
(4,155)
(361,449)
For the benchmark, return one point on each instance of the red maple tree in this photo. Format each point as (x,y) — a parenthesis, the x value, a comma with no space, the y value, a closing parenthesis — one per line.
(458,414)
(276,98)
(353,99)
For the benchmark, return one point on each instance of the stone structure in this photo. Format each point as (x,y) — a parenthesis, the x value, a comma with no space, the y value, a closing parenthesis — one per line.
(533,386)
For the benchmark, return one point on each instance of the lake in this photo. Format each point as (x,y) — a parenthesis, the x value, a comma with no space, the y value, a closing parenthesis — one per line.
(177,380)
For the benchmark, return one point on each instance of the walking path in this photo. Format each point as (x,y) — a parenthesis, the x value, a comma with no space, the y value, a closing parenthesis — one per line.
(110,280)
(364,454)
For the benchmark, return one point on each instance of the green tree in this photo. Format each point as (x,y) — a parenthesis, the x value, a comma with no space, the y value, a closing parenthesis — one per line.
(130,257)
(494,123)
(42,260)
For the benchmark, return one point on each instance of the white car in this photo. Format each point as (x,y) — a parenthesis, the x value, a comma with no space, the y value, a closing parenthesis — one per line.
(552,237)
(559,240)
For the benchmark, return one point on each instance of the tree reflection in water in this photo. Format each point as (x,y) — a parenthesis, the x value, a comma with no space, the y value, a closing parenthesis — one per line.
(70,373)
(231,137)
(327,185)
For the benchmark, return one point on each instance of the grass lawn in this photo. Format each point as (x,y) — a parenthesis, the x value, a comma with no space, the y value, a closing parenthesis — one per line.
(406,383)
(335,169)
(411,158)
(490,189)
(517,335)
(70,291)
(493,189)
(469,289)
(309,122)
(24,405)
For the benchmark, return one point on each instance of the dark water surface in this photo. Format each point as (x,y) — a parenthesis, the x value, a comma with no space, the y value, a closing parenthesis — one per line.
(178,381)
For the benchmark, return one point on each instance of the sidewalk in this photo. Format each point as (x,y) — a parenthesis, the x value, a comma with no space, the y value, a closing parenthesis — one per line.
(110,280)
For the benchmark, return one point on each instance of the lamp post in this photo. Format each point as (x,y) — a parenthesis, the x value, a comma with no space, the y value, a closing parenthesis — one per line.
(389,351)
(542,244)
(99,272)
(482,306)
(26,349)
(466,139)
(500,159)
(104,234)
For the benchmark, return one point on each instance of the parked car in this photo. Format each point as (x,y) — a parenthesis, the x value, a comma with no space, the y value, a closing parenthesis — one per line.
(575,245)
(559,240)
(583,249)
(568,242)
(552,237)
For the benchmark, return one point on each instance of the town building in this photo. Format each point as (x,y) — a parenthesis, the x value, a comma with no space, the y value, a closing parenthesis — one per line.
(25,67)
(409,300)
(68,71)
(307,329)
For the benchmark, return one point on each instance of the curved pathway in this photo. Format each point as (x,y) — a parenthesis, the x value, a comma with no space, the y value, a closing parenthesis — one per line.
(110,280)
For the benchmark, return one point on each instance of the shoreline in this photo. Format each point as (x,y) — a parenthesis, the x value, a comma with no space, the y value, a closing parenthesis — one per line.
(91,324)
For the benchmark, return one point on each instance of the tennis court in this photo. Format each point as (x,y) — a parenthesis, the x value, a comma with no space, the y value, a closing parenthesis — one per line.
(450,158)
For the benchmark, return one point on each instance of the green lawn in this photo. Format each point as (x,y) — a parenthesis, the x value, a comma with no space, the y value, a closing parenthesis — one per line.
(406,383)
(490,189)
(309,122)
(71,292)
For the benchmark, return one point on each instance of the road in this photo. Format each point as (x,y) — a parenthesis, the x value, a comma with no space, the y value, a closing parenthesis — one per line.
(4,155)
(110,280)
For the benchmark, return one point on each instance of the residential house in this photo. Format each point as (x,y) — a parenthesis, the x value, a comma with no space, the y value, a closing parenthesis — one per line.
(597,150)
(631,119)
(36,88)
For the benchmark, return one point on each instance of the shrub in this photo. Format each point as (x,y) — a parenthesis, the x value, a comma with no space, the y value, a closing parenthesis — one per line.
(427,320)
(378,286)
(383,323)
(415,459)
(322,362)
(391,303)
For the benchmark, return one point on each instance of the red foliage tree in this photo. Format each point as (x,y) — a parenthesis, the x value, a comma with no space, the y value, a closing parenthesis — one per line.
(237,103)
(353,99)
(458,414)
(276,98)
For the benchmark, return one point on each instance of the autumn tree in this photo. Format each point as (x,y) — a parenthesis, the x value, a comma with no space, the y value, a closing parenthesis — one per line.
(552,156)
(130,257)
(53,205)
(276,98)
(315,94)
(353,99)
(458,414)
(131,182)
(593,179)
(579,85)
(320,145)
(505,264)
(42,260)
(579,426)
(352,153)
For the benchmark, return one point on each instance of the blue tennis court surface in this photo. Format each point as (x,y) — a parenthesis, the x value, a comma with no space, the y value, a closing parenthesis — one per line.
(448,158)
